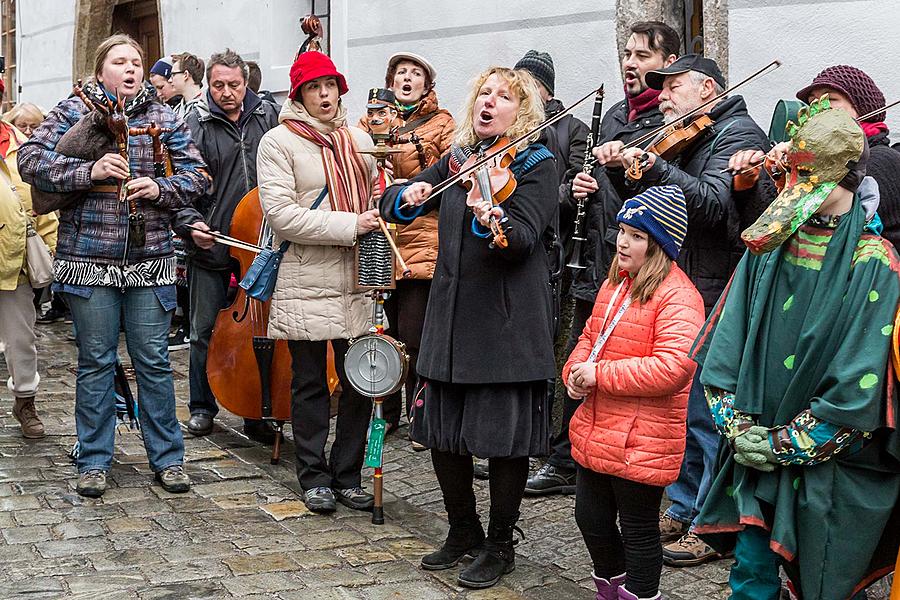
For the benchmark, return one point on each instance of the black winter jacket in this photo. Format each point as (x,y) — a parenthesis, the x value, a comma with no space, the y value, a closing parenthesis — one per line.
(229,150)
(489,317)
(603,205)
(884,167)
(716,215)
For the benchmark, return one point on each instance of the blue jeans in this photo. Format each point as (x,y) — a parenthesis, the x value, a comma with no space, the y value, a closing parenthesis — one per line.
(146,312)
(689,492)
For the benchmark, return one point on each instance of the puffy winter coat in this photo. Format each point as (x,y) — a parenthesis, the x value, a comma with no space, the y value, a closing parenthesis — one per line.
(633,424)
(418,241)
(15,214)
(314,295)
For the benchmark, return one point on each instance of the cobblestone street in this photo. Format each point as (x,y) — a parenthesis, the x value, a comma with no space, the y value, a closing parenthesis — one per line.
(242,531)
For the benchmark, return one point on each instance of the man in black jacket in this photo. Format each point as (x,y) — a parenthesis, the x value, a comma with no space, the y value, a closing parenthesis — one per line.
(711,250)
(227,125)
(652,45)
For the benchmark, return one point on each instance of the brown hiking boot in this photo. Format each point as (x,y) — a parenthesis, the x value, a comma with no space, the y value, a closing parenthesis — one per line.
(671,529)
(26,415)
(689,551)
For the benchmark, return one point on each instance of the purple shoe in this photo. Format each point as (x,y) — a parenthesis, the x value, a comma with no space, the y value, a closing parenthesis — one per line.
(608,589)
(626,595)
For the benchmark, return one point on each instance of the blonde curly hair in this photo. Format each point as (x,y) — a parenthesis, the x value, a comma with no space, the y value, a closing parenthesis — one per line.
(529,116)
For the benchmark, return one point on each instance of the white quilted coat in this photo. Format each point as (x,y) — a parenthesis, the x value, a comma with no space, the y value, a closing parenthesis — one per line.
(314,295)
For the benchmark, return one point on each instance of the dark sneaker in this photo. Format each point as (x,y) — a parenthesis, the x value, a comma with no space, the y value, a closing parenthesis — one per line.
(260,431)
(481,469)
(550,480)
(200,424)
(319,500)
(51,315)
(174,480)
(179,340)
(355,498)
(671,529)
(689,551)
(92,483)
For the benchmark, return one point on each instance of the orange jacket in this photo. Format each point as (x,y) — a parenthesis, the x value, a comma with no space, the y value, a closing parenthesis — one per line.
(418,241)
(633,424)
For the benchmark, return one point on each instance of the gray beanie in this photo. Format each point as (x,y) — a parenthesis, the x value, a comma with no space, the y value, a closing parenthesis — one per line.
(540,65)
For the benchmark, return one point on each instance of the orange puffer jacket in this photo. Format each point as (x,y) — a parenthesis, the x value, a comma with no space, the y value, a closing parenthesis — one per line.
(418,241)
(633,424)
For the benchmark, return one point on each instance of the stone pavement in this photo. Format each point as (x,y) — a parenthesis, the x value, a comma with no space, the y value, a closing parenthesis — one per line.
(241,531)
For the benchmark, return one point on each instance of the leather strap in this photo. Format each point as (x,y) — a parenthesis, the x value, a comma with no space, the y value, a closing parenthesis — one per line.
(104,189)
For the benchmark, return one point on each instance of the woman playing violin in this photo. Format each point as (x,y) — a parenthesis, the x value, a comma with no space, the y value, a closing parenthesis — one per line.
(487,345)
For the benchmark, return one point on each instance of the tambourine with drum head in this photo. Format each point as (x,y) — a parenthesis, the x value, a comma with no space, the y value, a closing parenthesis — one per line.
(376,365)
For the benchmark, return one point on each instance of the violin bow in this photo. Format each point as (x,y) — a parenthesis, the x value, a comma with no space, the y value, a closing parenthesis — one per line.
(650,135)
(230,241)
(868,115)
(483,161)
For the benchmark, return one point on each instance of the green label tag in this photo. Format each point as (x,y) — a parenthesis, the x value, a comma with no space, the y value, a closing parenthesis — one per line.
(376,443)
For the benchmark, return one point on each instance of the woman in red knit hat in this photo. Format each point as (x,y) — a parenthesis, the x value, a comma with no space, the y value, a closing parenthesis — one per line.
(315,189)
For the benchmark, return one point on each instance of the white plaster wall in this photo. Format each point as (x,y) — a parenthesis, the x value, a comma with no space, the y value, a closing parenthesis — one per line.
(45,30)
(267,31)
(807,37)
(463,37)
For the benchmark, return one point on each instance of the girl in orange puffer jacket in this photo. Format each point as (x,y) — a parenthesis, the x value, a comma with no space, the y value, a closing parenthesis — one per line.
(632,369)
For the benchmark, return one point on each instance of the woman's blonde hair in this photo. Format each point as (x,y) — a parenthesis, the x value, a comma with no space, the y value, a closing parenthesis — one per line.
(110,43)
(24,109)
(656,268)
(529,116)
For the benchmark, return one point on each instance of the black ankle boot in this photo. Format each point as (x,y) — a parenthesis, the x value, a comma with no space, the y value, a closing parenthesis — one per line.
(496,559)
(465,538)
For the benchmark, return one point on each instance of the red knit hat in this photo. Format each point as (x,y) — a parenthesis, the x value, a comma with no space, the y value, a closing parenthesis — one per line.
(859,88)
(312,65)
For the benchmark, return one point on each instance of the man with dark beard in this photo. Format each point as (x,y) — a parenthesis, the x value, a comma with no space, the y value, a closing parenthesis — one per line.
(712,248)
(652,45)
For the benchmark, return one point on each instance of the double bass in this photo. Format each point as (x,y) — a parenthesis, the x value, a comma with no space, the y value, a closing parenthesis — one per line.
(250,373)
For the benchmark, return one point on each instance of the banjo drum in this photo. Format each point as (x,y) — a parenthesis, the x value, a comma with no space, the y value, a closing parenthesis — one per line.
(376,365)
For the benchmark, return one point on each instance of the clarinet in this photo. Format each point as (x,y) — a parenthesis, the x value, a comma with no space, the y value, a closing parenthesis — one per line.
(587,167)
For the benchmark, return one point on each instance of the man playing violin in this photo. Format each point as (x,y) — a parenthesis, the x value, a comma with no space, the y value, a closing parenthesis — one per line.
(652,45)
(712,248)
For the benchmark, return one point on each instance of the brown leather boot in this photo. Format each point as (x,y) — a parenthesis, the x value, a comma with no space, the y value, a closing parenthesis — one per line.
(26,415)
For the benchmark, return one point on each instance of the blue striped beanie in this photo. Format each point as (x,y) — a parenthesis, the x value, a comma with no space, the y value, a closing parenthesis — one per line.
(662,213)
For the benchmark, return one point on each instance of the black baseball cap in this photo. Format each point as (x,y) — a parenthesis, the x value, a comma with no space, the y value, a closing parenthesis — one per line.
(688,62)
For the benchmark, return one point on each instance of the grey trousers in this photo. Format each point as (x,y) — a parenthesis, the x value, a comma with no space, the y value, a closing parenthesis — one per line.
(17,334)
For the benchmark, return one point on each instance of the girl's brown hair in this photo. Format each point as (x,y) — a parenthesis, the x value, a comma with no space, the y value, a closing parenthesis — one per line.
(110,43)
(656,268)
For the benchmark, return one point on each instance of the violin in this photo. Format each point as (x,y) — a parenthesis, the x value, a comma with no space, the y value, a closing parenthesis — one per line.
(492,181)
(673,140)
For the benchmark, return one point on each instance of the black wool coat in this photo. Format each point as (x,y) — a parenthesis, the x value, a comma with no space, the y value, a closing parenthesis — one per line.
(489,317)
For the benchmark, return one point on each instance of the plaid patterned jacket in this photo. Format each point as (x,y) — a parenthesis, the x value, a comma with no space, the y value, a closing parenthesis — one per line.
(94,230)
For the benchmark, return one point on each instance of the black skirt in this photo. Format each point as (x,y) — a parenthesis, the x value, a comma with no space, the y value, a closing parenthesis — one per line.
(504,420)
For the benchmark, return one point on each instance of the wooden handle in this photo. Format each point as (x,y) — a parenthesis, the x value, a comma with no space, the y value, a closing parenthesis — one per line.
(387,233)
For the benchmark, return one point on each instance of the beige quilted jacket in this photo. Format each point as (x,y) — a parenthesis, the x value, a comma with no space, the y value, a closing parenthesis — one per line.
(314,296)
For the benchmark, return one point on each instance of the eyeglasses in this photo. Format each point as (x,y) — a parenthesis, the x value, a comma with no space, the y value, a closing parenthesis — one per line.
(174,73)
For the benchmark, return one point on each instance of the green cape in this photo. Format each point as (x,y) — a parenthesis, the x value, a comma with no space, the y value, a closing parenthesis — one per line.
(808,326)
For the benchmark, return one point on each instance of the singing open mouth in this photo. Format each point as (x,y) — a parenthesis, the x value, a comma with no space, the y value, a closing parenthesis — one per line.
(485,117)
(406,88)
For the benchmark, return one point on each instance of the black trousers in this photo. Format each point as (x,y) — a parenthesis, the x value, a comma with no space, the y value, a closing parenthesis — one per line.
(636,550)
(310,414)
(560,446)
(454,474)
(405,310)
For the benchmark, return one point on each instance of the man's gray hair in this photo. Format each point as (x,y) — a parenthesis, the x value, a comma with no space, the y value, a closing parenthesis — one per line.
(230,59)
(697,78)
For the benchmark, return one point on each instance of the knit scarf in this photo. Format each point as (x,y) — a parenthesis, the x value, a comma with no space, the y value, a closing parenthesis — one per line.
(407,110)
(644,101)
(346,174)
(871,129)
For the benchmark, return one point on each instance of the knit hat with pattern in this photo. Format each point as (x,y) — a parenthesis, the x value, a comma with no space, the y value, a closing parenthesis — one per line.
(540,65)
(859,88)
(661,211)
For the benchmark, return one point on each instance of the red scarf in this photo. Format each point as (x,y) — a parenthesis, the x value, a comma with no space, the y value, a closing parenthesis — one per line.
(871,129)
(643,102)
(346,174)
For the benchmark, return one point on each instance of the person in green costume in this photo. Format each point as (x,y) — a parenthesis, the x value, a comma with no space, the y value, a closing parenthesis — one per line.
(796,369)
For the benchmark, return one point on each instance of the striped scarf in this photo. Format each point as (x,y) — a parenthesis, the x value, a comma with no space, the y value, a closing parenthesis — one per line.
(346,174)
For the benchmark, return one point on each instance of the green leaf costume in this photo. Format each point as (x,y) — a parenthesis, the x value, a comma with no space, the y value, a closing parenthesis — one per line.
(802,327)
